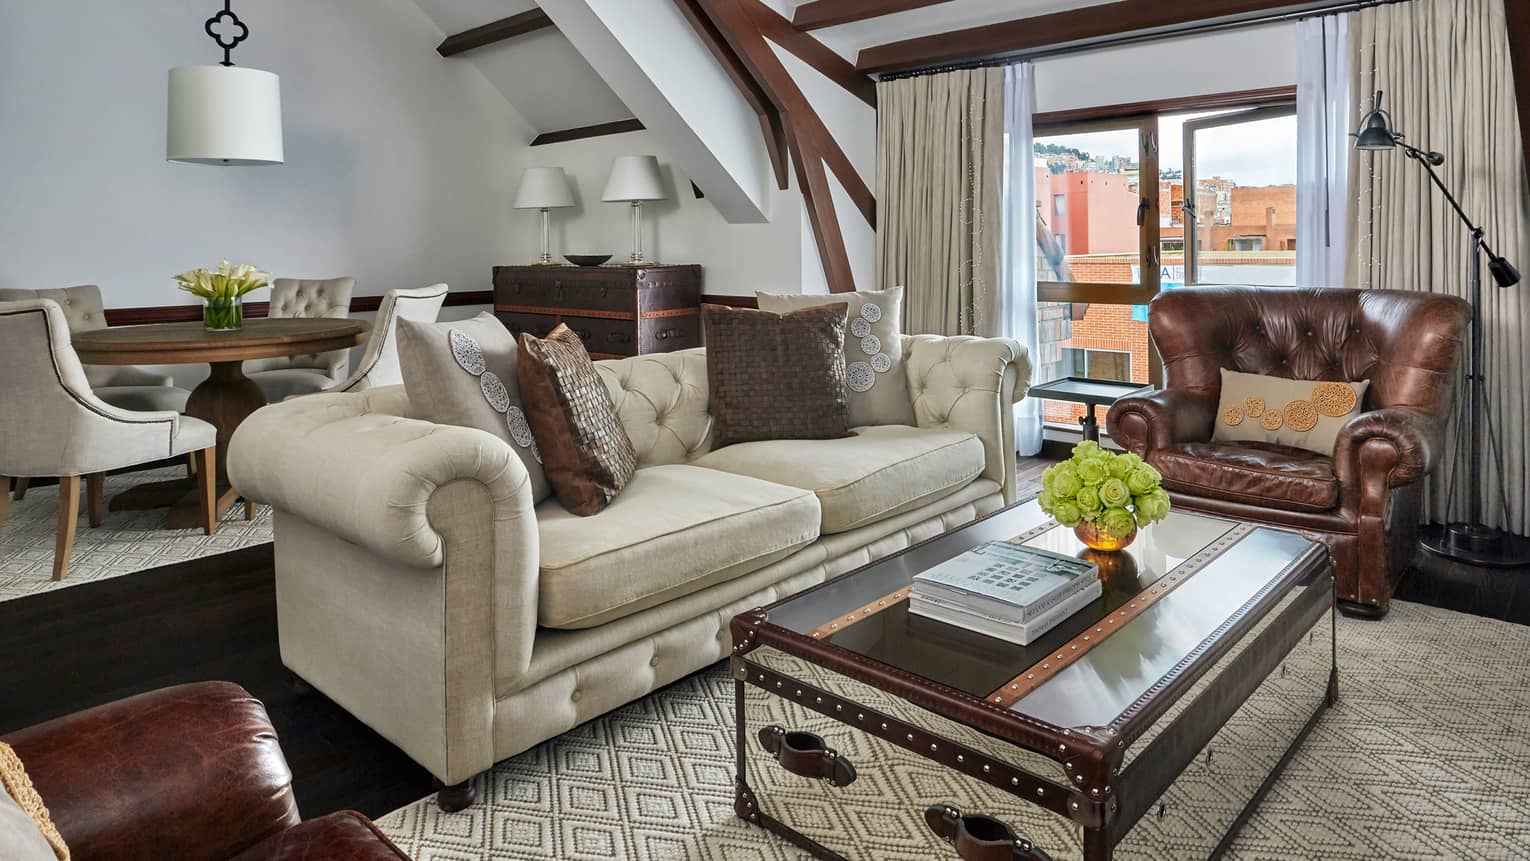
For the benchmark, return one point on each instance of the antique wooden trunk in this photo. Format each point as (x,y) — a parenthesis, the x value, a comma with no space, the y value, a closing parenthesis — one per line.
(862,734)
(616,310)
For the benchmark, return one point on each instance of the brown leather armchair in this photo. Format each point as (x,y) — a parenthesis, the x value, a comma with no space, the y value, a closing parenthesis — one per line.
(1366,496)
(193,773)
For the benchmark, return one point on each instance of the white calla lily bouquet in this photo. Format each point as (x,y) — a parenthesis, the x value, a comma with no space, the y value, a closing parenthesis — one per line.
(221,290)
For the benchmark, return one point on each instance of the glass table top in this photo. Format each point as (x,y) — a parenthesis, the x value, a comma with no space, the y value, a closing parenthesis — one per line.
(1116,669)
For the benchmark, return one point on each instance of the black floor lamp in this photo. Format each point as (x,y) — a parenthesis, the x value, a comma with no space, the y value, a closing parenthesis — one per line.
(1472,542)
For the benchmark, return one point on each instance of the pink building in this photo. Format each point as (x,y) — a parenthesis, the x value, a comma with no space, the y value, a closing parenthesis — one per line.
(1091,213)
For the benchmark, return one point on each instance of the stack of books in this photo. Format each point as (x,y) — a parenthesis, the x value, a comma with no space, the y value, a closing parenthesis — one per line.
(1006,590)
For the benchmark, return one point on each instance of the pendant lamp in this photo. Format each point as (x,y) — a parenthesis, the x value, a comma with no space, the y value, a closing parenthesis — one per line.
(223,114)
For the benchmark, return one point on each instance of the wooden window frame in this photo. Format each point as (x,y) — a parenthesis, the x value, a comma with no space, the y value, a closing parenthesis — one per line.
(1249,115)
(1146,126)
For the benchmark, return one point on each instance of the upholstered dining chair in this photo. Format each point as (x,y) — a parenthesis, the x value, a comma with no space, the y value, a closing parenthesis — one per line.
(119,385)
(300,375)
(1365,497)
(54,425)
(379,361)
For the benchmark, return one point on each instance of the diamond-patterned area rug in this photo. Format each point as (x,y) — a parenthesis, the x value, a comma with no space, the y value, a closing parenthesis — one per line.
(1426,756)
(126,541)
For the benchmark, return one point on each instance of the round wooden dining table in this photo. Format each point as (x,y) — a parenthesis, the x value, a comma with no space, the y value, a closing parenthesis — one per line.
(227,396)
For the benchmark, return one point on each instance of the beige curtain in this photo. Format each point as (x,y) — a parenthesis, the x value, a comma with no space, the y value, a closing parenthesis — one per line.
(940,152)
(1445,69)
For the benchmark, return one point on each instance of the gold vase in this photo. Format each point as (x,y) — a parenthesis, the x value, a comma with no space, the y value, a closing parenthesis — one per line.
(1096,537)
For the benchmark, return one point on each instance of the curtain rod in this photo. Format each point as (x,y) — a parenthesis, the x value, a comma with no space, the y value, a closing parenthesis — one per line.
(1193,29)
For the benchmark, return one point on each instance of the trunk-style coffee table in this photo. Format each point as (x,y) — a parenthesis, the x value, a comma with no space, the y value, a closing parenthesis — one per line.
(1148,725)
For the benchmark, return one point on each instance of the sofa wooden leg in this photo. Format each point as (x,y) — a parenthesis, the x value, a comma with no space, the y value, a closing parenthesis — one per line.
(457,797)
(95,498)
(249,509)
(21,487)
(300,686)
(1357,610)
(207,487)
(5,497)
(68,515)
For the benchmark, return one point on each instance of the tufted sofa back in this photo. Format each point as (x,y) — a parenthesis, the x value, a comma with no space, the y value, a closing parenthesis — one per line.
(301,297)
(1407,344)
(82,305)
(661,399)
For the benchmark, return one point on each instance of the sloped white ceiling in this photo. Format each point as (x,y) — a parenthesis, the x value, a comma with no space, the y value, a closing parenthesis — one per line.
(541,74)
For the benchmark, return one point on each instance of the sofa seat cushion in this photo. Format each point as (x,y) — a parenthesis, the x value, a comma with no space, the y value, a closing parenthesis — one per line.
(1263,474)
(673,530)
(879,472)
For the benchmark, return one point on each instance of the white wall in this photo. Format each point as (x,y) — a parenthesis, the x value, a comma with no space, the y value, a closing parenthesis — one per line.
(739,258)
(399,171)
(1244,59)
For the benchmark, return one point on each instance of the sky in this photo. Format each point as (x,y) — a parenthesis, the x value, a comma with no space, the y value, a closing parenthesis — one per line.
(1253,153)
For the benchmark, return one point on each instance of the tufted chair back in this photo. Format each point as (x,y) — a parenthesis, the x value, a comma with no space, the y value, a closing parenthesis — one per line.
(82,306)
(295,297)
(1405,343)
(379,362)
(661,400)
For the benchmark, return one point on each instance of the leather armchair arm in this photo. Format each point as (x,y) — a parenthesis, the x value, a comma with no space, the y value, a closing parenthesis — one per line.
(192,772)
(1153,420)
(971,384)
(1407,439)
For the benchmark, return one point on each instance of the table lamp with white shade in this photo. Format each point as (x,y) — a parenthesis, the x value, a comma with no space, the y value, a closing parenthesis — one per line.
(544,188)
(634,179)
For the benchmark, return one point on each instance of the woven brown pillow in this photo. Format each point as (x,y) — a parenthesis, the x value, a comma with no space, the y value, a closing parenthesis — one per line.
(776,376)
(585,451)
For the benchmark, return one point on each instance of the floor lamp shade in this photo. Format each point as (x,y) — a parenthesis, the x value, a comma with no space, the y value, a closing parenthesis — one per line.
(224,115)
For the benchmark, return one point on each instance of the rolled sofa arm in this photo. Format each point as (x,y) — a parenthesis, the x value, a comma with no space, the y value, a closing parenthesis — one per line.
(191,772)
(1153,420)
(1408,439)
(971,384)
(345,463)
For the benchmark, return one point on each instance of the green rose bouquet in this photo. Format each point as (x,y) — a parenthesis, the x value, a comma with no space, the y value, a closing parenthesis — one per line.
(222,291)
(1103,493)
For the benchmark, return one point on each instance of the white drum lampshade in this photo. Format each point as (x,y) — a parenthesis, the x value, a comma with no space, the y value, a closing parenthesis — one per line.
(633,178)
(543,188)
(224,115)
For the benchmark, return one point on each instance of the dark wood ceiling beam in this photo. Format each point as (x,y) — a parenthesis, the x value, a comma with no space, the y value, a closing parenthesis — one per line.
(1058,28)
(582,132)
(831,13)
(772,125)
(1517,13)
(494,31)
(811,51)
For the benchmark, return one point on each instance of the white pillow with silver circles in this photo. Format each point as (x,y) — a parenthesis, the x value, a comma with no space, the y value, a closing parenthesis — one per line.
(859,327)
(520,429)
(467,351)
(881,363)
(494,391)
(871,311)
(860,377)
(871,345)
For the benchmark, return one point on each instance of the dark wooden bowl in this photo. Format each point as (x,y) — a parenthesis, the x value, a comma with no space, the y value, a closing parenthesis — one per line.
(587,259)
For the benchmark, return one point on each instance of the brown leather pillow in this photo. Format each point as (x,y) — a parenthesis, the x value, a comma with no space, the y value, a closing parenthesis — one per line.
(585,451)
(776,376)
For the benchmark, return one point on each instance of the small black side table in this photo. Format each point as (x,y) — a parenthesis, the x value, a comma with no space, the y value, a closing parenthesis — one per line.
(1090,393)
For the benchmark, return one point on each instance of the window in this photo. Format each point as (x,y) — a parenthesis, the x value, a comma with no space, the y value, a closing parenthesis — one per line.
(1130,206)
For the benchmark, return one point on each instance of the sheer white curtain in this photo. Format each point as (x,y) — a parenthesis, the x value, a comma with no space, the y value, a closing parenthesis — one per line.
(1017,302)
(1323,122)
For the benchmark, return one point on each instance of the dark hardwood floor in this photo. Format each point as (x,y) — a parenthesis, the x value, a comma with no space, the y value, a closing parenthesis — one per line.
(1497,593)
(210,618)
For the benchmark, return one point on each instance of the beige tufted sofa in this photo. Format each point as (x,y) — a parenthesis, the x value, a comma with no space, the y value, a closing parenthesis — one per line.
(420,588)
